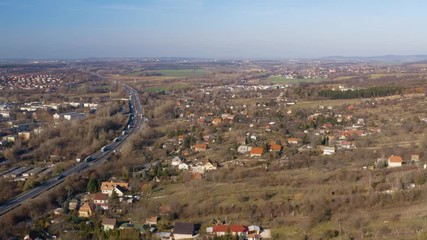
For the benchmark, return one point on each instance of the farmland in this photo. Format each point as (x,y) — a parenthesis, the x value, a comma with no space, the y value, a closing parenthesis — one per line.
(281,80)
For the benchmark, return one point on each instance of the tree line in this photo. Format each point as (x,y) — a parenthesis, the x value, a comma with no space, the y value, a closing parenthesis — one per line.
(362,93)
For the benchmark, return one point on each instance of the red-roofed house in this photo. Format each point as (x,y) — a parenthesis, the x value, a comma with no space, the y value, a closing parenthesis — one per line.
(221,230)
(217,121)
(257,152)
(200,147)
(395,161)
(100,198)
(275,148)
(108,187)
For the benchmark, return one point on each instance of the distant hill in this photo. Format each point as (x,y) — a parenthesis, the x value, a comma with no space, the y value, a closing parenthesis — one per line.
(385,58)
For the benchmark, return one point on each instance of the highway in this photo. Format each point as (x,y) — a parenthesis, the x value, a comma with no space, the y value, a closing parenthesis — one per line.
(136,120)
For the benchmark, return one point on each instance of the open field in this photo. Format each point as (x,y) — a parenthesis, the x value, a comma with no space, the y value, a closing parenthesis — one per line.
(397,75)
(342,78)
(243,191)
(171,87)
(183,73)
(173,73)
(280,80)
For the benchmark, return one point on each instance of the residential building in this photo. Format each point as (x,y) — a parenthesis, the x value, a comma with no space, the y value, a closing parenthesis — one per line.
(243,149)
(328,150)
(109,223)
(200,147)
(100,198)
(184,230)
(395,161)
(71,116)
(108,187)
(293,140)
(152,221)
(73,204)
(275,148)
(221,230)
(85,210)
(176,161)
(257,152)
(415,158)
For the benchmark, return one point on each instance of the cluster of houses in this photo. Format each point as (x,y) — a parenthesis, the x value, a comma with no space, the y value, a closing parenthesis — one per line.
(24,130)
(397,161)
(26,81)
(34,106)
(197,168)
(101,200)
(185,230)
(333,125)
(317,71)
(70,116)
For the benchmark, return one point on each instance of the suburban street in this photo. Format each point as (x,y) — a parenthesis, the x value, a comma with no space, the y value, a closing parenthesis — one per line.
(136,119)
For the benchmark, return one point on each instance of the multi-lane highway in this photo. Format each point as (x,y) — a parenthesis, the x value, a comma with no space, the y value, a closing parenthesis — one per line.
(136,119)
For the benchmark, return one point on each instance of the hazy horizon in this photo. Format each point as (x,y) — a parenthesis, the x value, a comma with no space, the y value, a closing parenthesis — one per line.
(238,29)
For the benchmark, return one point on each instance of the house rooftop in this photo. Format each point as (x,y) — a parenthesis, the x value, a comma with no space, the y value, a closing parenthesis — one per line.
(184,228)
(109,221)
(395,159)
(100,196)
(257,150)
(275,147)
(230,228)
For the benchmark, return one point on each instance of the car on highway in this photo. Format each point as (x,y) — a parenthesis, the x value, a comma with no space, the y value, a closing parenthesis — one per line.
(106,148)
(89,158)
(59,177)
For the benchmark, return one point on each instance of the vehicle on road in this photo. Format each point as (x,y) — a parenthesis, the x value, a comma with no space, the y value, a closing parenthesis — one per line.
(59,177)
(89,158)
(106,148)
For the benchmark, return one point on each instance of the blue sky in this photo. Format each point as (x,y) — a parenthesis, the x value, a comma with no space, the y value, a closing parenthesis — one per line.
(211,28)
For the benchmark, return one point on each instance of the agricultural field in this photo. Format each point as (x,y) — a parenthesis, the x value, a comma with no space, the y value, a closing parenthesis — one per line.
(397,75)
(171,73)
(281,80)
(183,73)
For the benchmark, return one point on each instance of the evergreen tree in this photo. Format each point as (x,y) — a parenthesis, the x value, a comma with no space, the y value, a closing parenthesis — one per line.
(92,185)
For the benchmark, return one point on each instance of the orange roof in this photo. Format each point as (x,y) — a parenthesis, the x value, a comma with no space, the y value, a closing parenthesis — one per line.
(110,185)
(292,139)
(396,159)
(230,228)
(257,151)
(85,207)
(217,120)
(201,146)
(275,147)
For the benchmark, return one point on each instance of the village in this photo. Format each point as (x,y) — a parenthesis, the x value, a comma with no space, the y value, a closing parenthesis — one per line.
(254,138)
(246,158)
